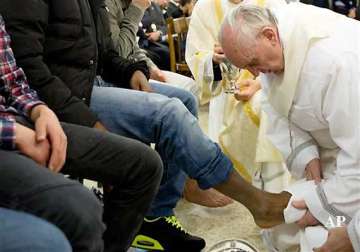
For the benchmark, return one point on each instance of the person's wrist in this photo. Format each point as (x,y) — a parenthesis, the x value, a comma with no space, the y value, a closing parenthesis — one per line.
(19,129)
(154,69)
(36,111)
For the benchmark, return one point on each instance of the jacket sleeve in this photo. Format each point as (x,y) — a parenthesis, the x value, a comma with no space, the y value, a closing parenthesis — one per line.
(124,26)
(116,69)
(19,95)
(7,133)
(27,30)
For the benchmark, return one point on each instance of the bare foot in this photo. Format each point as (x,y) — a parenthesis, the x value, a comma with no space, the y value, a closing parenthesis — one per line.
(271,208)
(208,198)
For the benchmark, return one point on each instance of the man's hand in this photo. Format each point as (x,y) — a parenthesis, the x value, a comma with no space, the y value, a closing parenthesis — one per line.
(26,143)
(139,82)
(246,89)
(313,171)
(218,55)
(337,241)
(157,74)
(48,128)
(352,13)
(308,219)
(154,36)
(141,4)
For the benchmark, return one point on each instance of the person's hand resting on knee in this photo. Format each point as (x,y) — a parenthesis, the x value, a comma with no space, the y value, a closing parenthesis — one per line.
(139,82)
(46,144)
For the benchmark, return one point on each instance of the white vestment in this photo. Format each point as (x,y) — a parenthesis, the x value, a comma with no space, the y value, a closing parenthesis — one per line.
(315,112)
(237,126)
(205,23)
(206,20)
(353,230)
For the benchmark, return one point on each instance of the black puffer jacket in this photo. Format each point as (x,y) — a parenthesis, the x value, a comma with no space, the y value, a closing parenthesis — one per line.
(62,45)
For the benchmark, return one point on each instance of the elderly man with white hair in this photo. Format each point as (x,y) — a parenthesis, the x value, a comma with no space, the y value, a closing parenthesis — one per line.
(234,120)
(308,59)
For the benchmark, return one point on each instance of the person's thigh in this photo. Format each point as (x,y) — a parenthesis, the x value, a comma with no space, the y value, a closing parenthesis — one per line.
(132,113)
(107,157)
(22,232)
(155,118)
(163,55)
(186,97)
(131,168)
(29,187)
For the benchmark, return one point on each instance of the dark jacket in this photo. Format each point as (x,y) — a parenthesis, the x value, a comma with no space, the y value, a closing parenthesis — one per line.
(153,15)
(62,45)
(173,10)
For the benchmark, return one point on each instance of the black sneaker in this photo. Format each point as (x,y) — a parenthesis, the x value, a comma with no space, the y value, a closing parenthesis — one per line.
(166,234)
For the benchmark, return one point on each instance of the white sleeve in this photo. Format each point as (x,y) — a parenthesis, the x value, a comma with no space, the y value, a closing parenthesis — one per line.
(200,41)
(339,196)
(353,230)
(296,146)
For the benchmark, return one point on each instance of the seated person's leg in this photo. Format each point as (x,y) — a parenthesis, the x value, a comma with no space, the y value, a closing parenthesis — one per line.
(154,118)
(192,192)
(29,187)
(162,53)
(132,168)
(153,56)
(22,232)
(187,98)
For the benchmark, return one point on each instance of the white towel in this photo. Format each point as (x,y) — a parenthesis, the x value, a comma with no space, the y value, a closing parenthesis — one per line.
(312,237)
(298,190)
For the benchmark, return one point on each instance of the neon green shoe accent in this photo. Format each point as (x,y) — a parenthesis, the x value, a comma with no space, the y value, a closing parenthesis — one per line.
(174,222)
(145,242)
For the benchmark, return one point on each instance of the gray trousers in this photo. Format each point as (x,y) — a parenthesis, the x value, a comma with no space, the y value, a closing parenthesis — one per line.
(132,168)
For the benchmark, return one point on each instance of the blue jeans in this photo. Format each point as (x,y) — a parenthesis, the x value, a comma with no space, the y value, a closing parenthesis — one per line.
(22,232)
(168,119)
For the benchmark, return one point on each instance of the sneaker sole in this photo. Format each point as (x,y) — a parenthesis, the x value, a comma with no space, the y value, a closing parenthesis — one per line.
(145,242)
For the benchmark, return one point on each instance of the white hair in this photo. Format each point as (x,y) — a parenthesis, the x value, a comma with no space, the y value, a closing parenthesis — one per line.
(246,21)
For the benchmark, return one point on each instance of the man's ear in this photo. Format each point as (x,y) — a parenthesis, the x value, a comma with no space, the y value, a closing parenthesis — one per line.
(269,34)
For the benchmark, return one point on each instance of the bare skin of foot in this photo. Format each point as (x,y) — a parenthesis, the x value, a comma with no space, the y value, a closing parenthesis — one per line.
(208,198)
(270,213)
(266,208)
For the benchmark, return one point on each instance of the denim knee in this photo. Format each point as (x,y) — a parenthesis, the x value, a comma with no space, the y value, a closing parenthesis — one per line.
(49,238)
(190,102)
(175,112)
(153,166)
(193,104)
(25,232)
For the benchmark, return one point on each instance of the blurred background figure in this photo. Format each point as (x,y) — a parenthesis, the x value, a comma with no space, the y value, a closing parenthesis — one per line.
(152,35)
(348,8)
(181,8)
